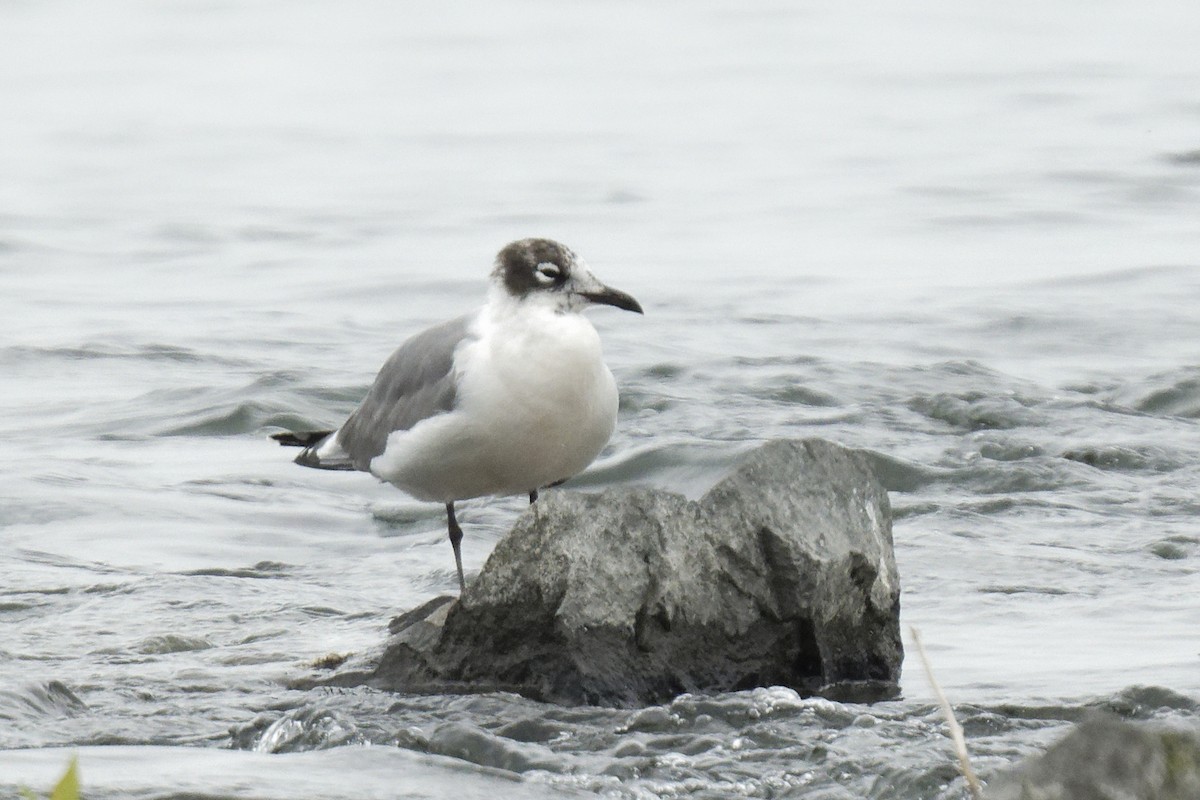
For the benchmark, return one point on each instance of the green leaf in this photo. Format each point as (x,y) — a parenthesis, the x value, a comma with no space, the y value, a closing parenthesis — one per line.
(68,785)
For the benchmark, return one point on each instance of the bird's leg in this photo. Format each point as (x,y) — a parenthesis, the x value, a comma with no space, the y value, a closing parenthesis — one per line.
(533,496)
(455,541)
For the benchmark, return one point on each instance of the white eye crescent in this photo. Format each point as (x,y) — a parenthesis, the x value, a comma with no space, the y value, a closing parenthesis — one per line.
(547,273)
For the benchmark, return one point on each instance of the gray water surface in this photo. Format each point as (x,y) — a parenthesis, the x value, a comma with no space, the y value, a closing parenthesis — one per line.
(962,238)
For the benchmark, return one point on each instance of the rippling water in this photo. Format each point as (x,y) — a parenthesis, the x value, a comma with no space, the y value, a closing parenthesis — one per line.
(961,238)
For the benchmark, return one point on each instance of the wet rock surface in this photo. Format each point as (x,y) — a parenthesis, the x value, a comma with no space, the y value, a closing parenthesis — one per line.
(1107,758)
(782,574)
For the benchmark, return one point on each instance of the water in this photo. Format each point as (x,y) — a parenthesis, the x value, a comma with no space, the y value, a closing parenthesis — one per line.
(961,237)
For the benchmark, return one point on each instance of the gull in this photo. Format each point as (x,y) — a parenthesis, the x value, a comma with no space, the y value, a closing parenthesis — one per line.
(509,399)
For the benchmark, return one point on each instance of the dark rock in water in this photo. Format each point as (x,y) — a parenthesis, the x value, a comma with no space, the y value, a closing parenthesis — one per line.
(1106,758)
(782,574)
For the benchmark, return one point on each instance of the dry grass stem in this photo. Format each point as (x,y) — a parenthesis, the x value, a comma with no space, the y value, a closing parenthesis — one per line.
(956,731)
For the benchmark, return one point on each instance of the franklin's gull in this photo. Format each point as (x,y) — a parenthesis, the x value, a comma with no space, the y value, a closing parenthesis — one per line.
(508,399)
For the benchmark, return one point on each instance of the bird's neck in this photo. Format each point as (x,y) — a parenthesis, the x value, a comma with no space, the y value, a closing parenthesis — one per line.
(538,322)
(503,305)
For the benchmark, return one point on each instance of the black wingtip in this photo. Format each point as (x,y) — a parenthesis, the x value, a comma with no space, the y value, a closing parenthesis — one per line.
(301,439)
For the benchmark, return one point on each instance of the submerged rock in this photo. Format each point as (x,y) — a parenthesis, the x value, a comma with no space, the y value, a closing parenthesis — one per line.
(1105,758)
(782,574)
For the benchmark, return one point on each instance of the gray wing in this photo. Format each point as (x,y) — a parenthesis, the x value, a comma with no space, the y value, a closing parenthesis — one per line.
(415,383)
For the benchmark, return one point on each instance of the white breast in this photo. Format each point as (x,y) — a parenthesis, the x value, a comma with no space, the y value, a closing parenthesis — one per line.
(535,404)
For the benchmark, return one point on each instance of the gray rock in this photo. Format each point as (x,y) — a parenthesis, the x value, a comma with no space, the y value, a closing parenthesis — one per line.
(782,574)
(1105,758)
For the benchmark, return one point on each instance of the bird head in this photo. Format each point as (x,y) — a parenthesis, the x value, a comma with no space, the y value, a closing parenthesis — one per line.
(544,271)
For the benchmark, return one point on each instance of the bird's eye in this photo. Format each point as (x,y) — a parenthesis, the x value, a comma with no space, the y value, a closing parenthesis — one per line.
(547,273)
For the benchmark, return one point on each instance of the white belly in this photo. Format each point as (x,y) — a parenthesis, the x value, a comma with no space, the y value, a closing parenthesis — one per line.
(535,405)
